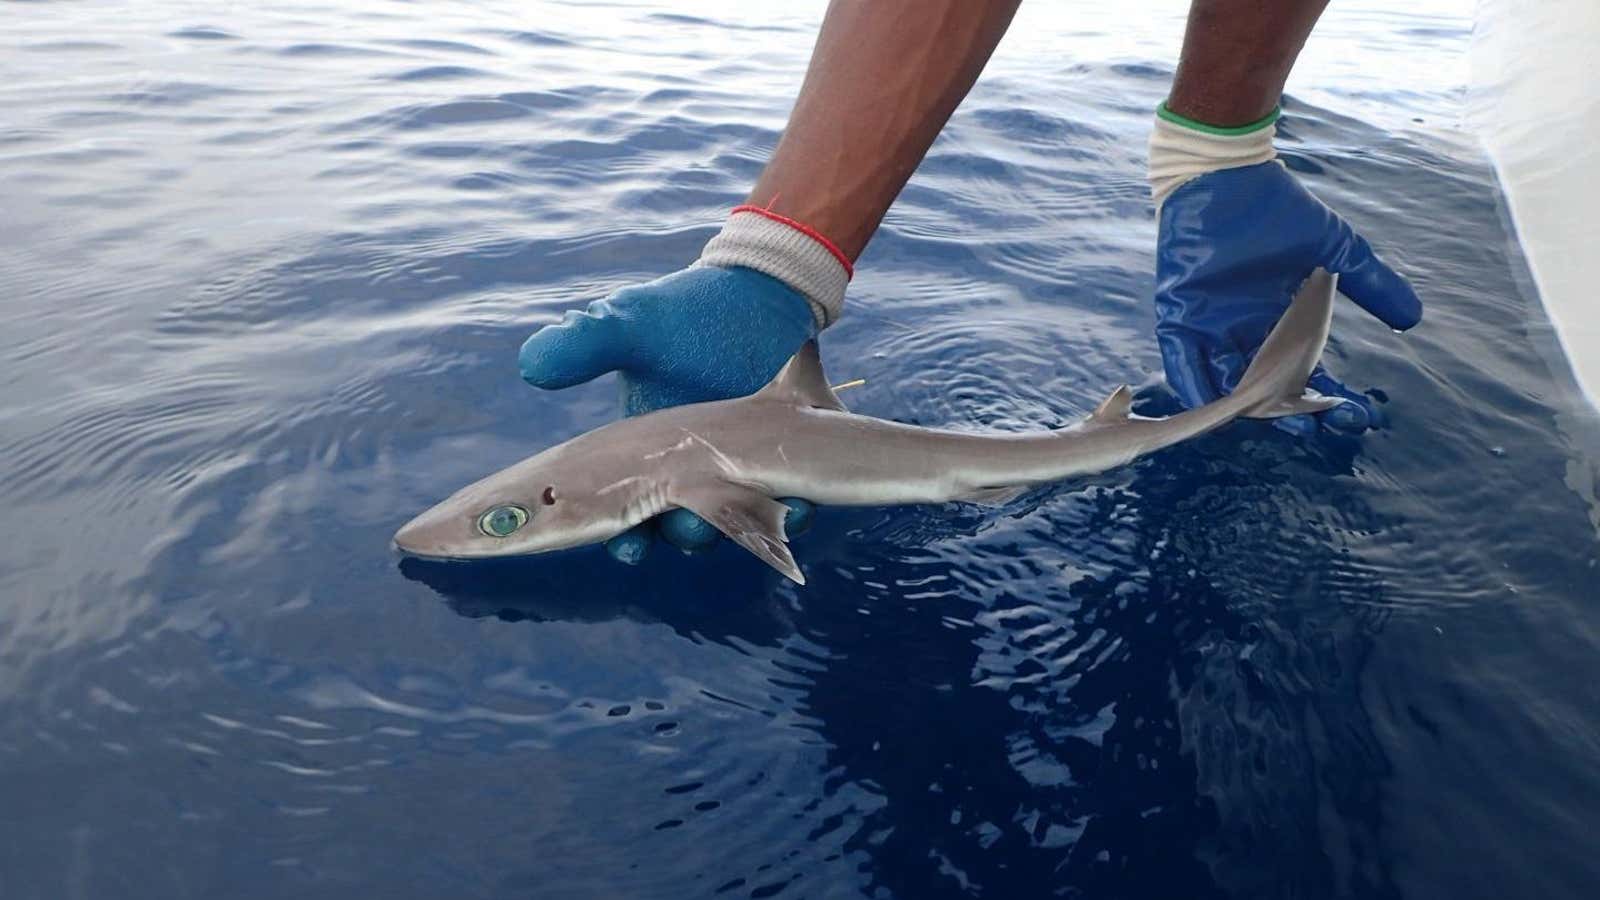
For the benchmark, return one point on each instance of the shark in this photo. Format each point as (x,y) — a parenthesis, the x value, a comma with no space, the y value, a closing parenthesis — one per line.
(729,460)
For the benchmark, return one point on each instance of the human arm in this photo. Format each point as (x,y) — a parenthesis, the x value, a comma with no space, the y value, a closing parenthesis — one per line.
(1236,57)
(884,77)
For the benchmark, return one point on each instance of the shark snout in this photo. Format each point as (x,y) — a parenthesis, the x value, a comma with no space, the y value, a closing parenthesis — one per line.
(433,534)
(406,540)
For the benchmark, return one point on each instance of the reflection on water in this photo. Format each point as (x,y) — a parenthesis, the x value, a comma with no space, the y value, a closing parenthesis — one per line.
(265,273)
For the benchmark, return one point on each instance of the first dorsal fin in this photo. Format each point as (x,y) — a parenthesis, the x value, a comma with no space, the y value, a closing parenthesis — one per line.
(801,382)
(1115,409)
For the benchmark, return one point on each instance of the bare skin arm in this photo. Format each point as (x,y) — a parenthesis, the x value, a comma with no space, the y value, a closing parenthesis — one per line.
(1237,55)
(884,77)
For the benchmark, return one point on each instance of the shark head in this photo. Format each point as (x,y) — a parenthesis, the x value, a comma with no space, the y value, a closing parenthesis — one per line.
(549,502)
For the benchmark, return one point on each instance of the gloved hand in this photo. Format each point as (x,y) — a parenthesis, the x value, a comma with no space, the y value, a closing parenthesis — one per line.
(1237,234)
(717,330)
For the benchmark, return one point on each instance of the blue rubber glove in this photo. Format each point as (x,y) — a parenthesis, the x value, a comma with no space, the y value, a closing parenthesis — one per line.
(1232,247)
(704,333)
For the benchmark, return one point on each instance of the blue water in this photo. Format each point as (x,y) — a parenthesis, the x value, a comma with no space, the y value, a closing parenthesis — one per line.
(264,274)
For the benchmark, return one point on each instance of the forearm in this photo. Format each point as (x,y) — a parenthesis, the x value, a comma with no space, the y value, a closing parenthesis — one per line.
(1237,55)
(884,77)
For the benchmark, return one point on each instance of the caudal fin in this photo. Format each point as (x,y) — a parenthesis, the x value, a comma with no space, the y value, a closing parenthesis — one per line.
(1275,383)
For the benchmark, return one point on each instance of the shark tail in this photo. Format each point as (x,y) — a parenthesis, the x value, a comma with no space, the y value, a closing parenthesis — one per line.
(1274,384)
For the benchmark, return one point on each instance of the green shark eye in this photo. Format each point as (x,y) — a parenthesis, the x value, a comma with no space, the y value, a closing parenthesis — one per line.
(502,521)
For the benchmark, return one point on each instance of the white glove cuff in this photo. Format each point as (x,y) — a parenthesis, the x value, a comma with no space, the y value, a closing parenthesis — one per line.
(1179,152)
(789,251)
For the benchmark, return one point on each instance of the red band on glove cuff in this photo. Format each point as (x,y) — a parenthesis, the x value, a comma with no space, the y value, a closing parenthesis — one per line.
(807,230)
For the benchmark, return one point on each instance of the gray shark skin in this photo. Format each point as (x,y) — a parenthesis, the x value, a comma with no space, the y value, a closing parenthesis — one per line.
(727,460)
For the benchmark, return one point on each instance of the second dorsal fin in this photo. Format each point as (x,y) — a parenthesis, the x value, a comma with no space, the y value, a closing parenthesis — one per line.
(801,382)
(1115,409)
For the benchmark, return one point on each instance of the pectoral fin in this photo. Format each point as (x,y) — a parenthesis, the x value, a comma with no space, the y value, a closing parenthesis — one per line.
(746,515)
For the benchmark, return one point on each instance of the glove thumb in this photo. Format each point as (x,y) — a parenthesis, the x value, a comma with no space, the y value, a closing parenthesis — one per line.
(1369,281)
(582,346)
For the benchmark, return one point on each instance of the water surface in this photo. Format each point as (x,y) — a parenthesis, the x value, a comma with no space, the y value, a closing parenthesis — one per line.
(264,274)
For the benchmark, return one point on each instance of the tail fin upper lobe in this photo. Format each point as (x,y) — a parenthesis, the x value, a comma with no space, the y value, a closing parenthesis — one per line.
(1274,384)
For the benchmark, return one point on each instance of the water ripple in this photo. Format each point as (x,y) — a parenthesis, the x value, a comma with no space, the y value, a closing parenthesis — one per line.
(265,275)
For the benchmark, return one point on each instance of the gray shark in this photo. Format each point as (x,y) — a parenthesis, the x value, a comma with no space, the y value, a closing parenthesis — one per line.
(727,460)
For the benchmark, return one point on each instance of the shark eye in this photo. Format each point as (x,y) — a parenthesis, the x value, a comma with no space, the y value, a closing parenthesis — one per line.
(549,496)
(502,521)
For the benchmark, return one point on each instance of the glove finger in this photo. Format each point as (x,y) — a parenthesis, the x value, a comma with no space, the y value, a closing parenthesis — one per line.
(1187,365)
(582,346)
(801,513)
(1355,415)
(687,531)
(632,546)
(1299,426)
(1369,281)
